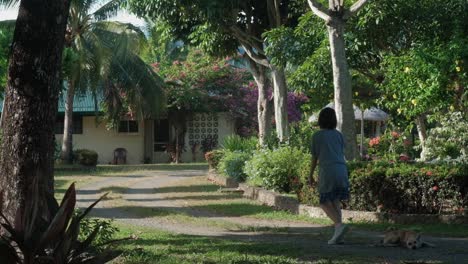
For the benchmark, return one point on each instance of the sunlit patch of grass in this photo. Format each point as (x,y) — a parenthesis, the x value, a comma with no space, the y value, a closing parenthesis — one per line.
(69,170)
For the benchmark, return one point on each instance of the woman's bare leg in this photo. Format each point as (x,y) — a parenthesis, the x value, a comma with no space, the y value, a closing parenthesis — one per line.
(337,205)
(333,211)
(330,210)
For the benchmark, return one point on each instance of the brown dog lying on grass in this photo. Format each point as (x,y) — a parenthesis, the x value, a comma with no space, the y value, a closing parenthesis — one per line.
(404,238)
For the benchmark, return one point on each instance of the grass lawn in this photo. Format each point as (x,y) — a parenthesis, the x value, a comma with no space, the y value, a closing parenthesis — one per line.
(153,246)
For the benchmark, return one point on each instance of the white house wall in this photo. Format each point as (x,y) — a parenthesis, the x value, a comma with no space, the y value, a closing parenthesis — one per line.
(104,141)
(225,128)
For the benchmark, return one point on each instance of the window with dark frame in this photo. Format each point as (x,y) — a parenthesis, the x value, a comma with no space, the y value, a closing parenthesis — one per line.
(77,124)
(161,134)
(128,126)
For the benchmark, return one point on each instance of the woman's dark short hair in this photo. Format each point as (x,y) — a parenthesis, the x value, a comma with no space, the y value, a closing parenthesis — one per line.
(327,118)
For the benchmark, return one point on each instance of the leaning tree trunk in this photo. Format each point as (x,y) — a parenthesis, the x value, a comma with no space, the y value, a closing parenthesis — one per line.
(67,140)
(422,133)
(342,84)
(31,105)
(280,95)
(264,104)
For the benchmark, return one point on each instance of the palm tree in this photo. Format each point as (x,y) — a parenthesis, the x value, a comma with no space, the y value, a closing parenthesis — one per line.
(101,58)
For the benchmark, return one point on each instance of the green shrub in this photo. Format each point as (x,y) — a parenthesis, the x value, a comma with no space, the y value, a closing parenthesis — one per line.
(301,135)
(107,231)
(449,141)
(232,164)
(405,187)
(278,169)
(214,157)
(85,157)
(237,143)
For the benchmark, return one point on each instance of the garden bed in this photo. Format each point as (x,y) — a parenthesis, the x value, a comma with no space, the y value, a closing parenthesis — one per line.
(287,203)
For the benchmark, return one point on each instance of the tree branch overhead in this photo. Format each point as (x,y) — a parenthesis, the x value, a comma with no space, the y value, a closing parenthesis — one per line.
(319,10)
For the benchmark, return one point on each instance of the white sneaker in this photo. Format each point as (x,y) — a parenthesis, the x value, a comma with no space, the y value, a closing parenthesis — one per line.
(340,232)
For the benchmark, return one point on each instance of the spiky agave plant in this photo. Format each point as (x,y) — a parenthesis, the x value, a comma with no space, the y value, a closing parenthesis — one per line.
(32,240)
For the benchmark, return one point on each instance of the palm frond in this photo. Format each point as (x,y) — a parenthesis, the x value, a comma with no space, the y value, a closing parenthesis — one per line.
(82,7)
(142,86)
(109,9)
(119,37)
(8,3)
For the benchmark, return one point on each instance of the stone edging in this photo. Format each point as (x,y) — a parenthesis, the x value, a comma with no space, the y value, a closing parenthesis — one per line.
(221,180)
(291,204)
(282,202)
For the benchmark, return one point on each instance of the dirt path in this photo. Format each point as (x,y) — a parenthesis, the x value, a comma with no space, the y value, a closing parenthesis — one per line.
(138,200)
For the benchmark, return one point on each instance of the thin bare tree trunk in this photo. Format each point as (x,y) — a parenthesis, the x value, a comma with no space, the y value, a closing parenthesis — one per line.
(31,105)
(264,104)
(342,87)
(422,133)
(67,140)
(280,95)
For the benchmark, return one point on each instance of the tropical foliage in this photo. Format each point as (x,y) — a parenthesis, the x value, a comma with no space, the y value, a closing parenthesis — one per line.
(33,239)
(6,36)
(448,141)
(102,58)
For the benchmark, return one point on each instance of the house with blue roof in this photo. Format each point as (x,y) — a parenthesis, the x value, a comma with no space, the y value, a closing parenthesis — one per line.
(145,141)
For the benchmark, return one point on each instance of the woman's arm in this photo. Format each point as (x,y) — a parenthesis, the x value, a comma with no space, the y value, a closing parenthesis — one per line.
(311,180)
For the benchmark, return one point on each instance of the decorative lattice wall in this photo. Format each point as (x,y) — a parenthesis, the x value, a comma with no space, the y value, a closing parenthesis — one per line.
(203,127)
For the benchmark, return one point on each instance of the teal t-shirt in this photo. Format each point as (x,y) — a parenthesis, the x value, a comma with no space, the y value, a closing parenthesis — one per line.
(328,146)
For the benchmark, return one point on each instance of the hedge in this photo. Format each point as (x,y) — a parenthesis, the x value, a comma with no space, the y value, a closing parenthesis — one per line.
(404,188)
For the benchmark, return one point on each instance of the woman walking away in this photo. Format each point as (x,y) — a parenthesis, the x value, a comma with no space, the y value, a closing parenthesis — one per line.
(333,184)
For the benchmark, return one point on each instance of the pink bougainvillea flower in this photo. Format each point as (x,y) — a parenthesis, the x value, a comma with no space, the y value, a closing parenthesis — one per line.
(435,188)
(395,134)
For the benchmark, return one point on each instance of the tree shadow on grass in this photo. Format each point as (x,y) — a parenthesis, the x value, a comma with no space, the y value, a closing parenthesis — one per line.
(135,212)
(196,249)
(235,209)
(188,188)
(300,244)
(188,197)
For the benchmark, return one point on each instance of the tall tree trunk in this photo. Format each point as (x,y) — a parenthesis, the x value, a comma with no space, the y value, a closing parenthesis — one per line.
(31,105)
(422,133)
(264,104)
(342,86)
(67,140)
(335,18)
(280,95)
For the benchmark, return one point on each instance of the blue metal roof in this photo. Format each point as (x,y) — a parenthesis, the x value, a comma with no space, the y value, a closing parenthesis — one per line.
(83,103)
